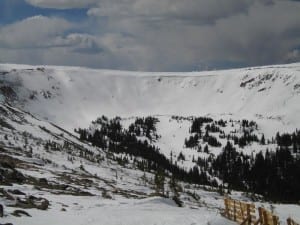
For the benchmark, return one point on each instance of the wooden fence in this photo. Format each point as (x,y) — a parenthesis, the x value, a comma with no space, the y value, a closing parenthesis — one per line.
(241,212)
(245,214)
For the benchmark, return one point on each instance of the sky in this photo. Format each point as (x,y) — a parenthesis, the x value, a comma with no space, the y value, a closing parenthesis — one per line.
(150,35)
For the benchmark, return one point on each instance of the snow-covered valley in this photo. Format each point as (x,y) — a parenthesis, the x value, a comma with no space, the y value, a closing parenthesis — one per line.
(83,183)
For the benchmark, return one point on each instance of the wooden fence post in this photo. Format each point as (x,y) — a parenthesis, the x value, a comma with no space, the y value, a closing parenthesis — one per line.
(265,218)
(249,214)
(275,220)
(260,214)
(226,208)
(291,222)
(234,210)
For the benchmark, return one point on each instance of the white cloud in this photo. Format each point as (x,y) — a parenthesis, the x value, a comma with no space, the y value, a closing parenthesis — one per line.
(32,32)
(158,34)
(262,33)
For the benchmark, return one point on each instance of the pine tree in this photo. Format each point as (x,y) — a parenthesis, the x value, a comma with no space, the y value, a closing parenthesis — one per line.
(262,140)
(159,181)
(206,149)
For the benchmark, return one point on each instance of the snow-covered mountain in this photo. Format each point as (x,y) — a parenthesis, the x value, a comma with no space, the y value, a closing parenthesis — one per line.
(58,178)
(72,97)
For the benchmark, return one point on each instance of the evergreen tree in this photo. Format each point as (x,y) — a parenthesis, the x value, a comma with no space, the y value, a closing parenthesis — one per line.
(159,181)
(262,140)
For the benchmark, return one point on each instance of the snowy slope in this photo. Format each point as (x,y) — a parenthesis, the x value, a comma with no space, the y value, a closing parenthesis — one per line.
(116,194)
(101,193)
(72,97)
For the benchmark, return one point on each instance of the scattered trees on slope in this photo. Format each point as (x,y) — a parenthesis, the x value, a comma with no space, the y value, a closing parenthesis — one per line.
(111,136)
(257,173)
(274,175)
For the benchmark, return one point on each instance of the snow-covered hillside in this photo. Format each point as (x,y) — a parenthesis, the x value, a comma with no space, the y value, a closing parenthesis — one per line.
(51,177)
(72,97)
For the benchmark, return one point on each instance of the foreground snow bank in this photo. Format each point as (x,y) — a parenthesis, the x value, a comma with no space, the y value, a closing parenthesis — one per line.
(93,211)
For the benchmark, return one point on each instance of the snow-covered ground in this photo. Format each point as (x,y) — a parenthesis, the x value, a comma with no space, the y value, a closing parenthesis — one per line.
(128,198)
(95,211)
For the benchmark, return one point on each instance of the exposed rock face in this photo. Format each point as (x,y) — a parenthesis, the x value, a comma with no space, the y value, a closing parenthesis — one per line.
(8,173)
(8,92)
(32,202)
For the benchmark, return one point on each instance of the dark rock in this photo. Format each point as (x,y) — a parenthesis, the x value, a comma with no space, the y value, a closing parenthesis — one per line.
(20,213)
(1,211)
(7,164)
(3,73)
(32,202)
(43,181)
(8,92)
(11,176)
(8,173)
(6,195)
(40,203)
(64,187)
(40,69)
(16,192)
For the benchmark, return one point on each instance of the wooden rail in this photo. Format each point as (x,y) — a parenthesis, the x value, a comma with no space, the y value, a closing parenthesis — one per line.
(245,214)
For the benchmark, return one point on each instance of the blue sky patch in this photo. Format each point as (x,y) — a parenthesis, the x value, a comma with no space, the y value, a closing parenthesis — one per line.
(16,10)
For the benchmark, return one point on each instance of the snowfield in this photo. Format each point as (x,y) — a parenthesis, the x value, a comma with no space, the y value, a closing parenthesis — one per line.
(95,211)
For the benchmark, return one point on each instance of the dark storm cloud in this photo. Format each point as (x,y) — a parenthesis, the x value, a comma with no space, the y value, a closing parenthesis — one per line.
(162,34)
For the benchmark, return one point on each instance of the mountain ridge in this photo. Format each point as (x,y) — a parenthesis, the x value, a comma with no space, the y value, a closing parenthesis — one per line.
(64,94)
